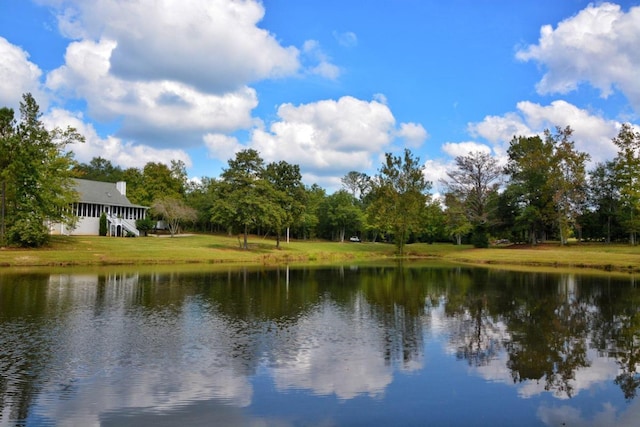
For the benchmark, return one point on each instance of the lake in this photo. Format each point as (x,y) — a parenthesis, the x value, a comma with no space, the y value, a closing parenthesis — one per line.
(362,345)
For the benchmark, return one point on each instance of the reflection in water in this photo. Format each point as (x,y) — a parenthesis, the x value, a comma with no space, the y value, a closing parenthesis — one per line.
(135,349)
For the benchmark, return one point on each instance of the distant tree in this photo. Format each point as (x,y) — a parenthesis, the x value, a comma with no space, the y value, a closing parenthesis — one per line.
(99,169)
(567,179)
(626,166)
(474,182)
(309,221)
(457,222)
(399,195)
(529,169)
(340,213)
(356,183)
(604,200)
(174,212)
(245,199)
(289,194)
(36,175)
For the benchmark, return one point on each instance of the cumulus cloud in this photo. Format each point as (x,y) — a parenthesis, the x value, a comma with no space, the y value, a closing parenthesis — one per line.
(414,134)
(455,149)
(322,63)
(155,112)
(215,46)
(592,133)
(123,153)
(18,75)
(222,146)
(599,46)
(328,138)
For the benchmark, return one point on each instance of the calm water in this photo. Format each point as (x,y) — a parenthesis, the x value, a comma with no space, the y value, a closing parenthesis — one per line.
(348,346)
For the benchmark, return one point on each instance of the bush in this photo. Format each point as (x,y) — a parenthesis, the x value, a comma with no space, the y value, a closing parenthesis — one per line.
(480,237)
(103,225)
(145,225)
(29,232)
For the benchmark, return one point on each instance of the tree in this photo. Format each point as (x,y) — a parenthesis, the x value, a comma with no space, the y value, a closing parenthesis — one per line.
(626,166)
(399,195)
(99,169)
(568,179)
(604,200)
(174,212)
(340,213)
(475,183)
(245,199)
(457,223)
(36,175)
(356,183)
(529,167)
(102,228)
(289,192)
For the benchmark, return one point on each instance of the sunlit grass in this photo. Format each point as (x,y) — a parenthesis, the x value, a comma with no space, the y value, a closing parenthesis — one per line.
(216,249)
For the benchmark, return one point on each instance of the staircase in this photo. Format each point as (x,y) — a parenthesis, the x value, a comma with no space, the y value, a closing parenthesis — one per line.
(125,224)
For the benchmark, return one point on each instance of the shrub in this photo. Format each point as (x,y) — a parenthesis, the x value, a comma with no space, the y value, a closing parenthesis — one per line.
(103,224)
(29,232)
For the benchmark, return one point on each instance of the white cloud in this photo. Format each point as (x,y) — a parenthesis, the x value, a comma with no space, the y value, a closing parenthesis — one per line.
(346,39)
(327,137)
(155,112)
(436,172)
(18,75)
(323,66)
(215,46)
(414,134)
(464,148)
(222,146)
(119,152)
(592,133)
(599,45)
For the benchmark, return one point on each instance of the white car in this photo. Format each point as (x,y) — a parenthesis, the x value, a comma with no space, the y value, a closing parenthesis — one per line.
(354,239)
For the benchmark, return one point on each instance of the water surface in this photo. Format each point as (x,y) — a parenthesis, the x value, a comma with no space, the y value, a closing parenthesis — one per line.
(340,346)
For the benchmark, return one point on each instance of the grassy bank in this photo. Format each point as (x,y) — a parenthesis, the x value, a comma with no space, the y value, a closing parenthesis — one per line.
(207,249)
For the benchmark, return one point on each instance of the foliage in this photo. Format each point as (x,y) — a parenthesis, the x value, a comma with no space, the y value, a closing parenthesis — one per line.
(102,228)
(36,175)
(340,213)
(474,183)
(174,212)
(289,195)
(626,166)
(245,199)
(145,225)
(399,195)
(99,169)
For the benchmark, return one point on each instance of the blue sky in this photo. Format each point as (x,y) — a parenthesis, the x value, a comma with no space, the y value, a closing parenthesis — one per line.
(329,85)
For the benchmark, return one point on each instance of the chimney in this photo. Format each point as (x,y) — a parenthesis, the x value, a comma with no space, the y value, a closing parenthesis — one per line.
(121,186)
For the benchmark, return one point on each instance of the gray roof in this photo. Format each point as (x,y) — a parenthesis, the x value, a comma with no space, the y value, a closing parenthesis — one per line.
(101,193)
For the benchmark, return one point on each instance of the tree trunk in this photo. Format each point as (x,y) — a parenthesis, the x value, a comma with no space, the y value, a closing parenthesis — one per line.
(246,233)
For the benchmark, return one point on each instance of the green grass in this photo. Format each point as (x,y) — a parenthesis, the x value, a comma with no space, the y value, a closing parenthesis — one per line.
(213,249)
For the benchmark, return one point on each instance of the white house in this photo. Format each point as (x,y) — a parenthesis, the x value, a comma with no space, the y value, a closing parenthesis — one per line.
(96,197)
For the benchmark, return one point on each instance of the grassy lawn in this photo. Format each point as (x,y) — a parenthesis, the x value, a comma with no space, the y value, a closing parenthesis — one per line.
(208,249)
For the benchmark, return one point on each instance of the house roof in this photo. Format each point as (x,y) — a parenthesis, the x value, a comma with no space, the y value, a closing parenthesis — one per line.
(102,193)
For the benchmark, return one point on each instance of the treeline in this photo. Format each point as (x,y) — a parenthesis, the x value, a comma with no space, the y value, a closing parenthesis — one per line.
(543,192)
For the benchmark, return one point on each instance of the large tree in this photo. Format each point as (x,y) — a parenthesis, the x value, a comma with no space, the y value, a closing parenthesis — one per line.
(289,192)
(626,166)
(529,168)
(568,180)
(474,182)
(399,195)
(36,175)
(245,200)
